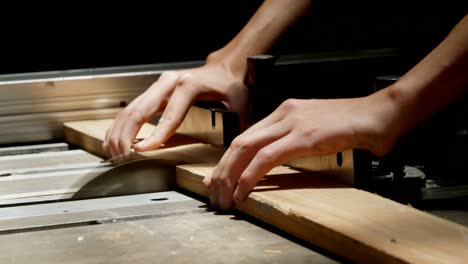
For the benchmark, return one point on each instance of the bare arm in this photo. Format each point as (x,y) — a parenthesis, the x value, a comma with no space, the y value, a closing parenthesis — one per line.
(221,79)
(440,78)
(270,21)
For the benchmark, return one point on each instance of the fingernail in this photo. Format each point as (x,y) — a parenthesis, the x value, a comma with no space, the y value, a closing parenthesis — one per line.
(140,144)
(206,181)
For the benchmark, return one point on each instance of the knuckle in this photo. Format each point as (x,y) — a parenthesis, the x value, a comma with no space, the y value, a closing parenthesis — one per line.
(317,146)
(266,156)
(303,132)
(184,79)
(227,183)
(243,182)
(135,117)
(289,105)
(113,143)
(121,113)
(169,117)
(241,143)
(215,181)
(124,114)
(168,75)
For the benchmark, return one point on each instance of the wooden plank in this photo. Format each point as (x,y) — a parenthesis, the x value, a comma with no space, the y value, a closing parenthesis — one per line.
(181,149)
(329,167)
(351,223)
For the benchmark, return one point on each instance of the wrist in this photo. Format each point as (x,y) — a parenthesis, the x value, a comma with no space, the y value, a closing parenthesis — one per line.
(384,121)
(234,63)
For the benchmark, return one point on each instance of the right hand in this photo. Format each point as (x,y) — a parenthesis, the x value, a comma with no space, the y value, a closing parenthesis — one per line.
(175,92)
(303,128)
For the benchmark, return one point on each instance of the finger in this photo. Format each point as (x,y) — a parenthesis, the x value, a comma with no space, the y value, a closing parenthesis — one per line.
(118,143)
(214,195)
(181,100)
(112,134)
(225,190)
(237,100)
(212,181)
(219,188)
(271,119)
(265,122)
(276,153)
(129,130)
(121,133)
(207,181)
(241,153)
(105,142)
(221,164)
(163,87)
(111,145)
(218,169)
(142,110)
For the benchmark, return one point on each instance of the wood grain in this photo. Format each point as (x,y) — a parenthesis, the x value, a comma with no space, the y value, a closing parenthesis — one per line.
(351,223)
(181,149)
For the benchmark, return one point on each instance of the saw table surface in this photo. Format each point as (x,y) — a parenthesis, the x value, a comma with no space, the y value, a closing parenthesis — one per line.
(40,223)
(177,230)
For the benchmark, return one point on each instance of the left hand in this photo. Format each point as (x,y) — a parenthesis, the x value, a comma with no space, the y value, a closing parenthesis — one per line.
(174,92)
(298,128)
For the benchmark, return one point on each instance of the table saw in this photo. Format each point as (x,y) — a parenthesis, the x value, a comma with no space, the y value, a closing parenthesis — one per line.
(42,221)
(56,206)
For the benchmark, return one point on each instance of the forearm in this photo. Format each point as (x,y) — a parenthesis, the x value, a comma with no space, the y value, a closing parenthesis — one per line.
(269,22)
(440,78)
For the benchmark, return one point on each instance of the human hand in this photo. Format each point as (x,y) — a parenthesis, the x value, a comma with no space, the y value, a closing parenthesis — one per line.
(298,128)
(175,91)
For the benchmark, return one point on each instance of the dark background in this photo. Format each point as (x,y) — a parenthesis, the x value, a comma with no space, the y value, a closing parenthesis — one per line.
(73,35)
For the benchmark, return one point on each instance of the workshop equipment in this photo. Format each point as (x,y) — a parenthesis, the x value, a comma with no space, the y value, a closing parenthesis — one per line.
(417,170)
(57,204)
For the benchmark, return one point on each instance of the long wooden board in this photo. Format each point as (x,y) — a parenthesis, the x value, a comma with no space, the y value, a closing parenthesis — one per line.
(351,223)
(90,134)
